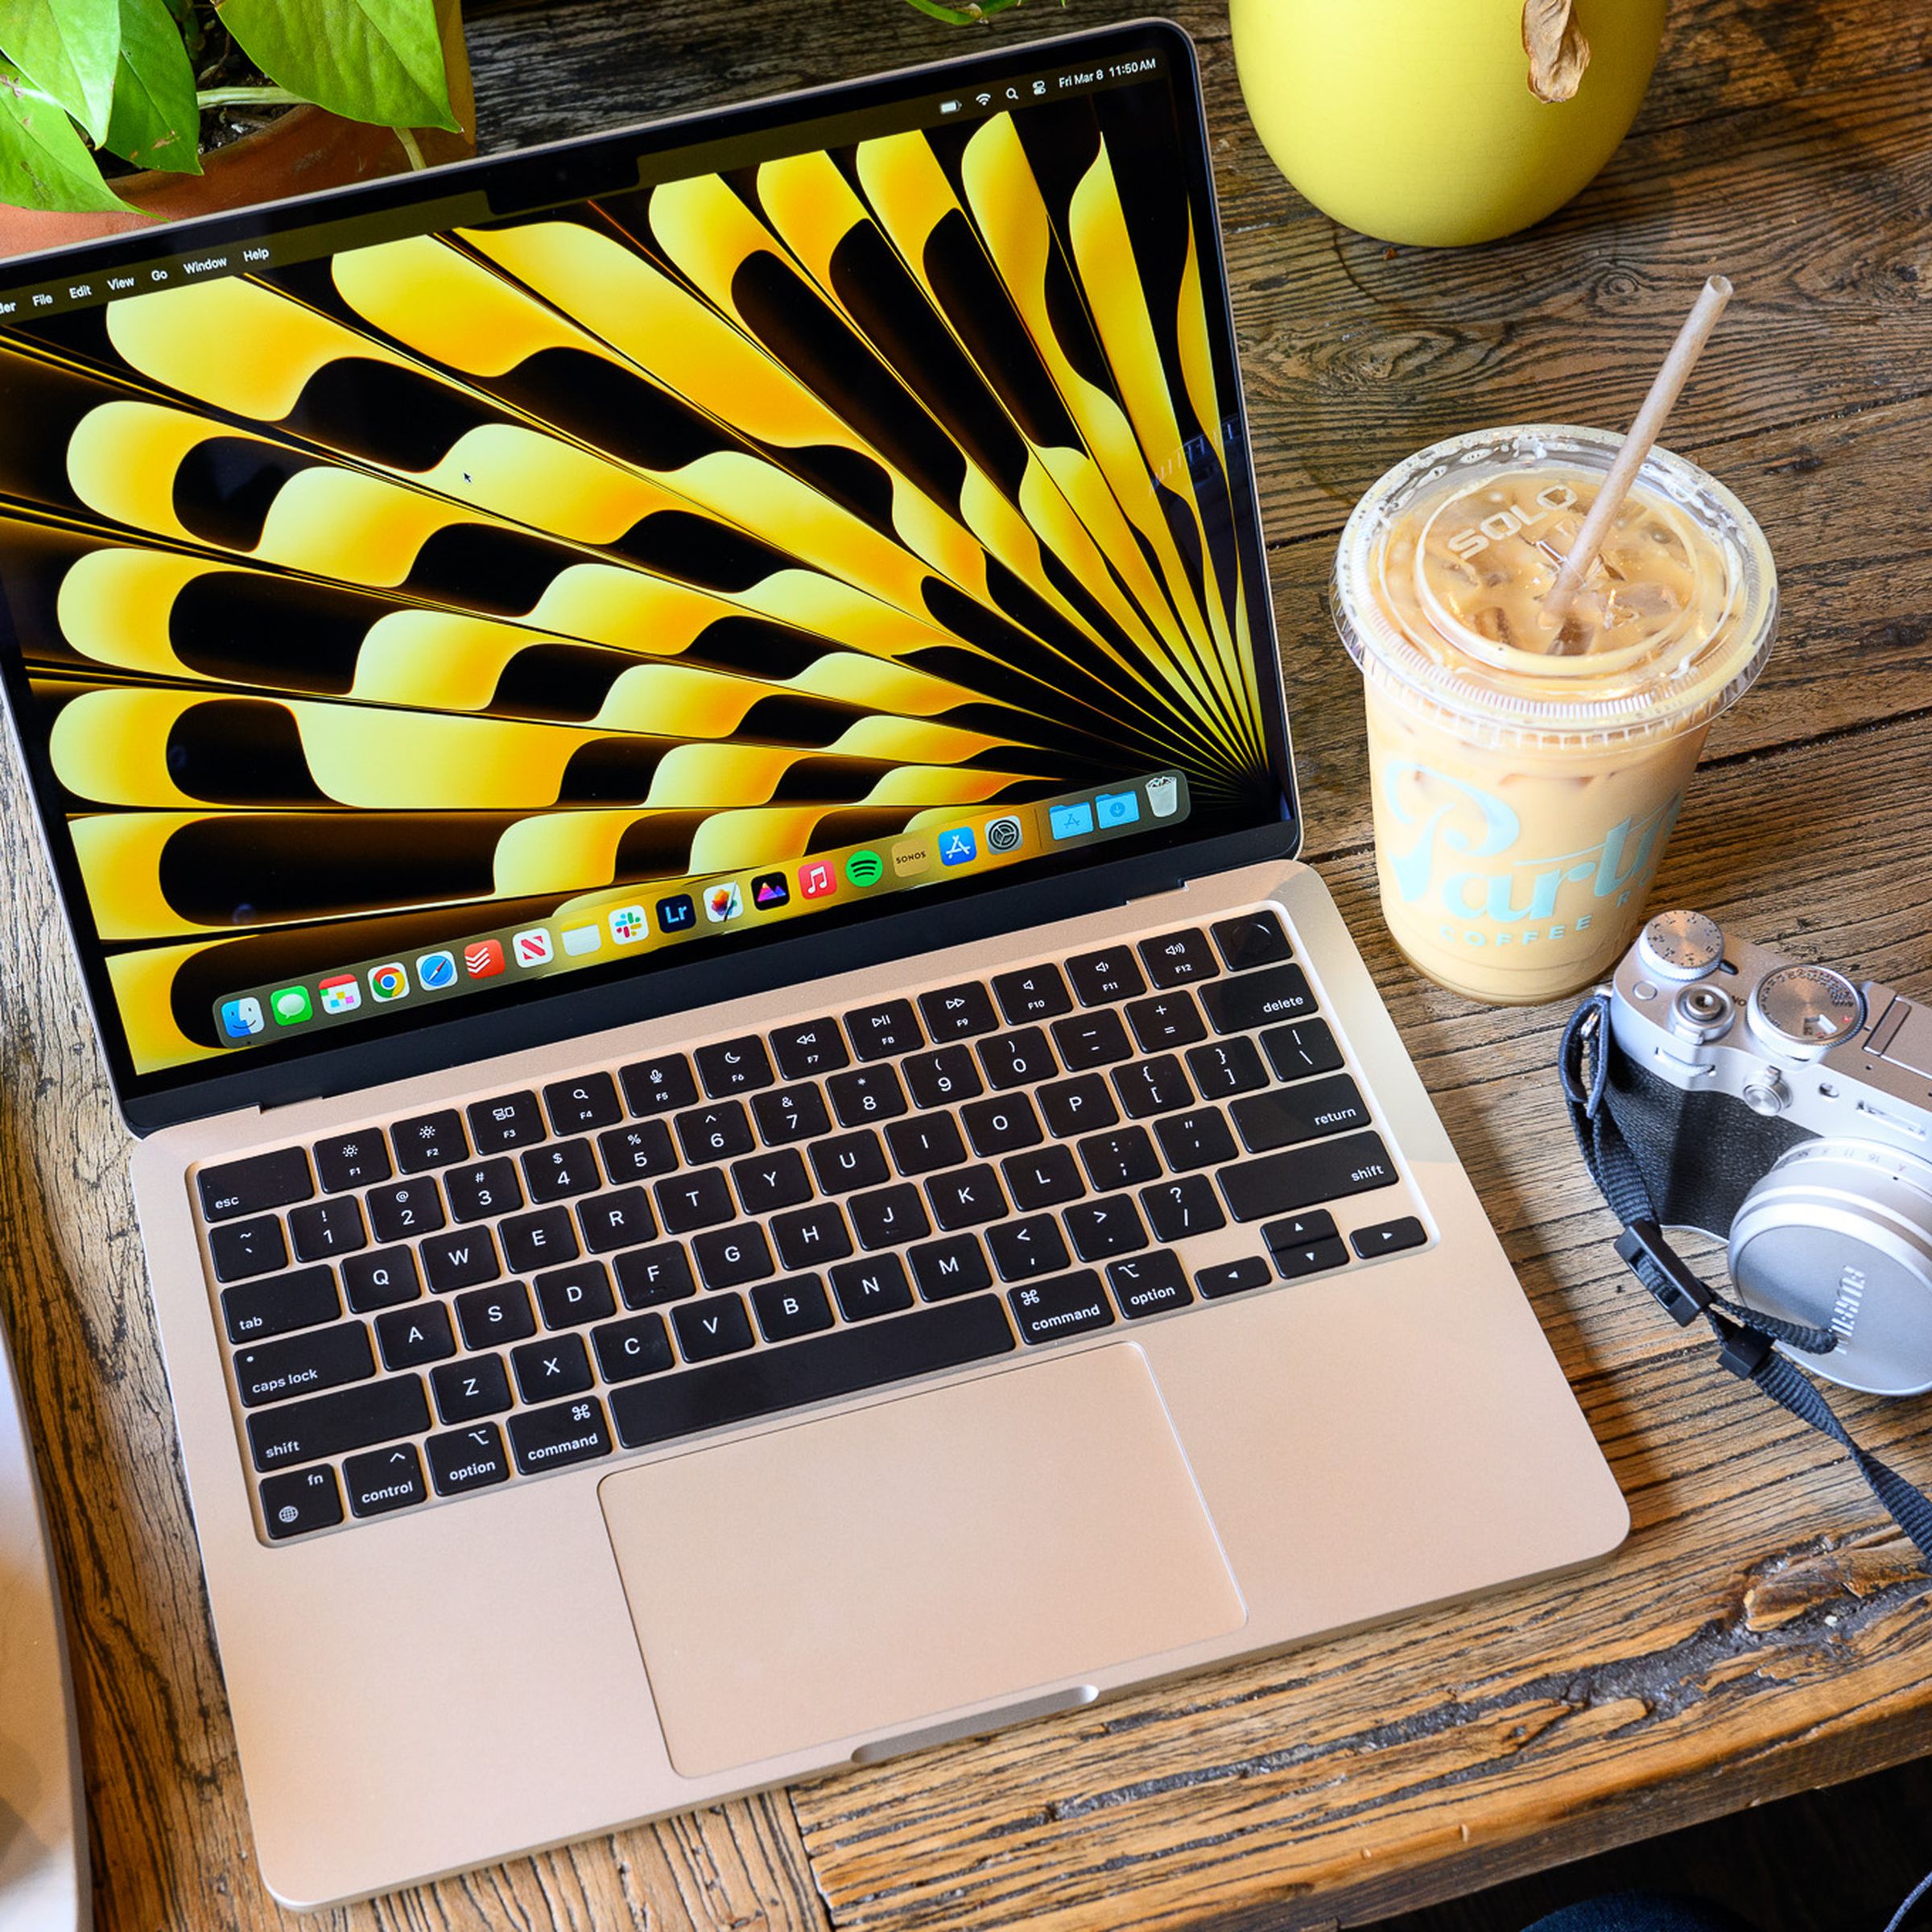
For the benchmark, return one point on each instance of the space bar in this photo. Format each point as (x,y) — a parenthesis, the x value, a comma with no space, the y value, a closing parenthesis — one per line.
(815,1371)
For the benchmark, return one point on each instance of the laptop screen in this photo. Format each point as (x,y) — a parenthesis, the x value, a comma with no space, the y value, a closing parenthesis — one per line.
(409,605)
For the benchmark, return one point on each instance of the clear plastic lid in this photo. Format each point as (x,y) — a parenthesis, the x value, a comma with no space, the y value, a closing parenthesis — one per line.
(1443,567)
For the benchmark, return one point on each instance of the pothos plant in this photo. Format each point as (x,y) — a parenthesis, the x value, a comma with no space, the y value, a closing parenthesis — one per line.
(81,79)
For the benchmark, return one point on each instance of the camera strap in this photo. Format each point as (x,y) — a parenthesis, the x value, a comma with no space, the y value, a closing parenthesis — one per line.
(1746,1337)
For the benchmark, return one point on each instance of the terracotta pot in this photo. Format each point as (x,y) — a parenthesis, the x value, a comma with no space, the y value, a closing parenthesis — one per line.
(304,149)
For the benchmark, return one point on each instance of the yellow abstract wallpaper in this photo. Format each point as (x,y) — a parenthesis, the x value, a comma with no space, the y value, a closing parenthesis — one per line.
(371,601)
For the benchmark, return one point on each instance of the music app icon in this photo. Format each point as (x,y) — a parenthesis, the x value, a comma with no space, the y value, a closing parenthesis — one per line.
(816,880)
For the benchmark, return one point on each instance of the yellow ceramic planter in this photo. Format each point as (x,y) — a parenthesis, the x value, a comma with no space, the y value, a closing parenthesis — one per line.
(1412,120)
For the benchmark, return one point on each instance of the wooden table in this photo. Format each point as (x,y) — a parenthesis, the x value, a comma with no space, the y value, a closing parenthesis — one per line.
(1763,1630)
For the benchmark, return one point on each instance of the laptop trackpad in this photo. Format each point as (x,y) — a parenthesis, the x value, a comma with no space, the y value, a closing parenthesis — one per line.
(881,1567)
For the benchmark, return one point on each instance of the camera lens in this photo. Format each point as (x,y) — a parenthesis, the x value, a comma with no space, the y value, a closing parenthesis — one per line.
(1837,1235)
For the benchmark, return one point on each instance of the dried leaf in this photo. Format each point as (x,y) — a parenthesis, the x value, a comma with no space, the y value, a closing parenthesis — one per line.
(1557,52)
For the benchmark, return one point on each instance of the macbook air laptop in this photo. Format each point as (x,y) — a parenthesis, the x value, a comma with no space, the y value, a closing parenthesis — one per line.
(668,765)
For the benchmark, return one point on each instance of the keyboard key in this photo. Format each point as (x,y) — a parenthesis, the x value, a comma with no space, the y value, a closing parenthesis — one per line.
(325,1358)
(695,1200)
(578,1106)
(1389,1237)
(472,1459)
(741,1066)
(714,1326)
(817,1046)
(865,1095)
(430,1140)
(493,1318)
(302,1501)
(482,1192)
(944,1077)
(1101,977)
(1235,1277)
(1116,1160)
(954,1265)
(865,1289)
(568,1296)
(374,1411)
(728,1257)
(966,1198)
(459,1260)
(1149,1284)
(638,1345)
(1151,1087)
(656,1086)
(384,1480)
(1022,1249)
(405,1208)
(1174,959)
(1042,1178)
(923,1145)
(812,1236)
(768,1181)
(255,1310)
(1199,1139)
(890,1218)
(814,1370)
(251,1186)
(1316,1225)
(1082,1105)
(1299,1177)
(1249,939)
(1017,1059)
(242,1249)
(1317,1257)
(789,1309)
(1178,1209)
(1100,1228)
(851,1160)
(557,1438)
(412,1337)
(512,1119)
(1257,999)
(877,1032)
(792,1113)
(714,1133)
(548,1238)
(555,1366)
(1295,1052)
(1072,1305)
(638,1153)
(958,1012)
(1169,1019)
(1285,1115)
(1224,1068)
(561,1170)
(1036,993)
(1092,1039)
(647,1276)
(354,1160)
(384,1279)
(1002,1126)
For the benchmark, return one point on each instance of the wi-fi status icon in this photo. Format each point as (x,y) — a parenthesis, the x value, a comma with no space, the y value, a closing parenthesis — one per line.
(984,99)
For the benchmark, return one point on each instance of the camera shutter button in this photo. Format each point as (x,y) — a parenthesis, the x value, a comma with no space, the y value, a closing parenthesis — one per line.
(1765,1091)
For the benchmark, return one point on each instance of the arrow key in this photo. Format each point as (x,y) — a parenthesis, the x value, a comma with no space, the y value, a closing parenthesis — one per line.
(1389,1237)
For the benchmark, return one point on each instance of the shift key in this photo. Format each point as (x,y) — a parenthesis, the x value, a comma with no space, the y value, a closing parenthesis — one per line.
(1299,1177)
(328,1425)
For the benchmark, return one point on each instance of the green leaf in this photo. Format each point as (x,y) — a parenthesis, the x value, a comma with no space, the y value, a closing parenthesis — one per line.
(43,162)
(67,49)
(156,121)
(379,60)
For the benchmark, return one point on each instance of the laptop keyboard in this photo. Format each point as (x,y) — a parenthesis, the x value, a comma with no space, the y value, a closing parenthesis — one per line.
(438,1304)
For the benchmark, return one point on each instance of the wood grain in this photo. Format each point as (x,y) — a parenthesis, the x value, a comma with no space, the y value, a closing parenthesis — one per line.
(1763,1630)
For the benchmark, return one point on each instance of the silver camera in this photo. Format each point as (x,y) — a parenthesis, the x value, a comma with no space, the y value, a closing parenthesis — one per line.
(1787,1109)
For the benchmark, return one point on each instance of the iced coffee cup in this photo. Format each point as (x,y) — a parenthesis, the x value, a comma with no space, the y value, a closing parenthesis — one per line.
(1526,774)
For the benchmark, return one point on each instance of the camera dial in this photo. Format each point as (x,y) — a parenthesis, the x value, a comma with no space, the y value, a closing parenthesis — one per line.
(1682,946)
(1837,1235)
(1805,1011)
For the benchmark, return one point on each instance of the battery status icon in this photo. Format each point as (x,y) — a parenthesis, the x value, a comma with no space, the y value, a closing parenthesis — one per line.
(949,107)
